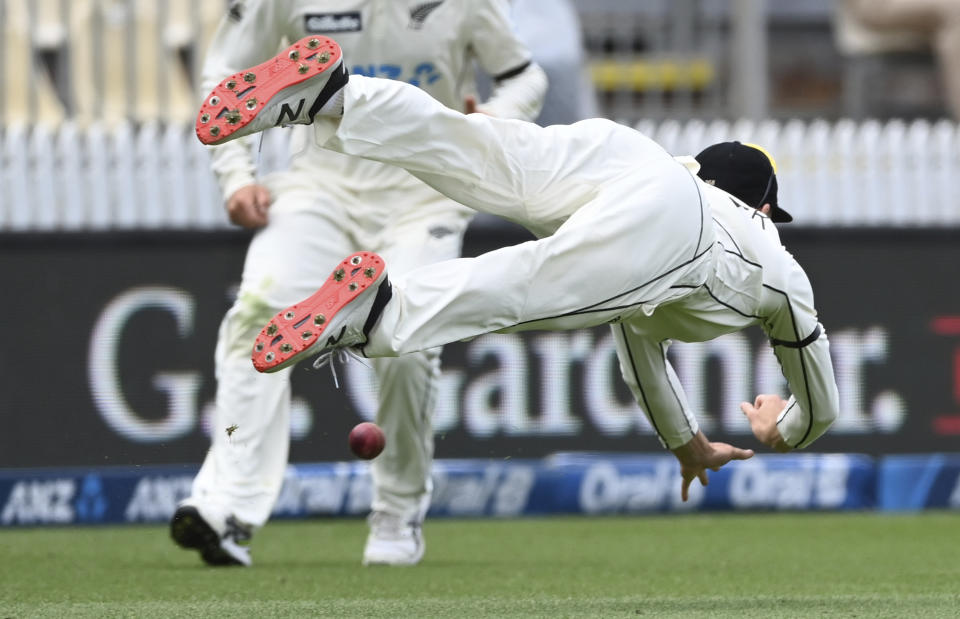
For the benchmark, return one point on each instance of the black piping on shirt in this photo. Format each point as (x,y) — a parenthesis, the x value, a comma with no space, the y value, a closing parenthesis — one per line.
(803,365)
(596,306)
(512,72)
(810,339)
(666,373)
(636,377)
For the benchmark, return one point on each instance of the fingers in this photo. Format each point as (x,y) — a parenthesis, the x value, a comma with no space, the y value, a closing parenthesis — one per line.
(727,452)
(469,104)
(248,206)
(261,204)
(688,477)
(263,196)
(247,214)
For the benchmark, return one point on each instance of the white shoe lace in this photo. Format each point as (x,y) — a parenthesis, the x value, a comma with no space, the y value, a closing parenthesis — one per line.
(333,355)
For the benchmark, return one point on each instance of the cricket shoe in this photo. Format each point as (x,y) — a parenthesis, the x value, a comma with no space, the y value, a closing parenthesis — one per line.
(393,541)
(190,528)
(288,89)
(339,315)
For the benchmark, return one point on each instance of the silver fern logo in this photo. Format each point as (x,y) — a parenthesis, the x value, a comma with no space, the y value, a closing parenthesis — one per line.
(420,13)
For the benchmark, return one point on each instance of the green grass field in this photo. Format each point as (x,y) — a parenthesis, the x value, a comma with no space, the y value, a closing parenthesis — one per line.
(764,565)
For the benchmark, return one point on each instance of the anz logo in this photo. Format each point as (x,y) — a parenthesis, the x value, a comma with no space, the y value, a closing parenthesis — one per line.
(424,74)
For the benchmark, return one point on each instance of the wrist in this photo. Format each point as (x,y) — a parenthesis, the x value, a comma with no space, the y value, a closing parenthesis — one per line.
(693,449)
(779,444)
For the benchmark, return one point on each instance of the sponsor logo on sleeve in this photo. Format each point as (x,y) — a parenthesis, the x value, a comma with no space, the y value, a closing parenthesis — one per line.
(324,23)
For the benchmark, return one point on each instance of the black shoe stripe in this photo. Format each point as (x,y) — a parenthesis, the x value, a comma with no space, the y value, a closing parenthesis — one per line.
(337,81)
(384,294)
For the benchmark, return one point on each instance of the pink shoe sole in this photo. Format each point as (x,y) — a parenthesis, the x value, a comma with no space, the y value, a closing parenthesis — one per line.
(296,332)
(239,98)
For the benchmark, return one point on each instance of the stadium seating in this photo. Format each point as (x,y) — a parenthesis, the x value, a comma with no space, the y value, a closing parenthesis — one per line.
(136,60)
(28,95)
(102,91)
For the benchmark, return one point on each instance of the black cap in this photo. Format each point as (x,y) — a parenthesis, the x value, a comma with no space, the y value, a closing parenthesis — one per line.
(745,171)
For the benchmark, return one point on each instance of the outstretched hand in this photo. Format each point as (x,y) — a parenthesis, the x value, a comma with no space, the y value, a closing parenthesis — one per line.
(763,415)
(699,454)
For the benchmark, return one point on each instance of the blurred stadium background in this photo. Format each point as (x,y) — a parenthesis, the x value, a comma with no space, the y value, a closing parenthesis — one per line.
(119,263)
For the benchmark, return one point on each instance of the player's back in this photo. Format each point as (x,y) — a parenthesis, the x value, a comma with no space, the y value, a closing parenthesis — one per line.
(749,266)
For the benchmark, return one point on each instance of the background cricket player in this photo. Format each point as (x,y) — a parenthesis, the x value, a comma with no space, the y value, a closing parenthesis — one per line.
(307,218)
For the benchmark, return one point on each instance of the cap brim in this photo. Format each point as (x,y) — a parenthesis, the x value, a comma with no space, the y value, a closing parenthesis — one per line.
(780,216)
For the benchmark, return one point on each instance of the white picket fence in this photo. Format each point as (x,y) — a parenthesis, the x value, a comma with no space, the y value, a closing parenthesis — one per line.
(840,174)
(846,173)
(122,179)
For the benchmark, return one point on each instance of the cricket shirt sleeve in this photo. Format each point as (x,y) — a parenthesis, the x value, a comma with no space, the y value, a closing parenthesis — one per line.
(519,84)
(655,385)
(800,343)
(249,33)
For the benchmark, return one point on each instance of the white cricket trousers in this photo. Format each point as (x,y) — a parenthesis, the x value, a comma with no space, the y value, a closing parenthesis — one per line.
(313,225)
(624,226)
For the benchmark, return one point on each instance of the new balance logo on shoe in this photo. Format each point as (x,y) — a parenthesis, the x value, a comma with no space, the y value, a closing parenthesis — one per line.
(287,112)
(275,92)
